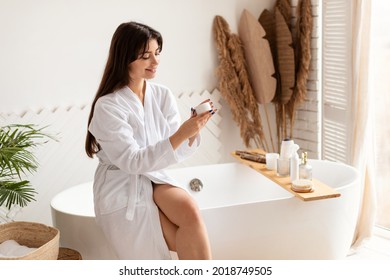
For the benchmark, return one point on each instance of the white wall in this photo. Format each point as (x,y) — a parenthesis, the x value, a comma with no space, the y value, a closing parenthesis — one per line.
(52,54)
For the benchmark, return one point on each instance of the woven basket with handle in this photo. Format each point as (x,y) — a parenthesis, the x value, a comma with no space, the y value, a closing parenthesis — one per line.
(33,235)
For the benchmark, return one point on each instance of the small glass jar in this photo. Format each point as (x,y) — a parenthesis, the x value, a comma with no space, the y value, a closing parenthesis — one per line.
(305,169)
(271,161)
(283,167)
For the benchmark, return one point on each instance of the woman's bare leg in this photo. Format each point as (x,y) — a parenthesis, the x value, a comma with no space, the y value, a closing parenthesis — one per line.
(169,231)
(182,224)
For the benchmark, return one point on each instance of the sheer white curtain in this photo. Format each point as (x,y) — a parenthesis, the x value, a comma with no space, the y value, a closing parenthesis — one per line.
(380,56)
(363,130)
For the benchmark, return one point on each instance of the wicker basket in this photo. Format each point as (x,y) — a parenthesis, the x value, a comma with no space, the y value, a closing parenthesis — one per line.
(68,254)
(33,235)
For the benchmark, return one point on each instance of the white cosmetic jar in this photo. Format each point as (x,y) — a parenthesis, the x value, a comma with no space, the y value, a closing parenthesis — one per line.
(204,107)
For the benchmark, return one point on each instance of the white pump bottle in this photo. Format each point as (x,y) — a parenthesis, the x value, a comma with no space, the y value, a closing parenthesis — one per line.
(294,163)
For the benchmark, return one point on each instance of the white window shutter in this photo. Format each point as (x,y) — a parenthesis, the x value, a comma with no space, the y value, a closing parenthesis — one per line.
(336,80)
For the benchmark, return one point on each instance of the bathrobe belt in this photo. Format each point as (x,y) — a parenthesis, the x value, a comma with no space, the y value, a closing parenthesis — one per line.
(133,190)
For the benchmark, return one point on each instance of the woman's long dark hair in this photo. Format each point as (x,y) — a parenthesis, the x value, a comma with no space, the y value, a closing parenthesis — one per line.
(129,41)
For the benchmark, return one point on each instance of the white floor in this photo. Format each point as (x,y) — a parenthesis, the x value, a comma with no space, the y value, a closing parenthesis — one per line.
(376,248)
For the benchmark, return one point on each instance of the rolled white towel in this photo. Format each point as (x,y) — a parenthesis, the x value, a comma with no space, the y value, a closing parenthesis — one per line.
(12,249)
(8,246)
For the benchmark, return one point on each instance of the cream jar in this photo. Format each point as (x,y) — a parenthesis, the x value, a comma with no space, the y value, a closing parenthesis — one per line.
(203,107)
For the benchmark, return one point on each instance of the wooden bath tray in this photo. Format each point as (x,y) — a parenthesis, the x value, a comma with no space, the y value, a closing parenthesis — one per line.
(321,190)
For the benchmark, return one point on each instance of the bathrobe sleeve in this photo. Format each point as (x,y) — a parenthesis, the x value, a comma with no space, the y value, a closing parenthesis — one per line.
(115,135)
(171,111)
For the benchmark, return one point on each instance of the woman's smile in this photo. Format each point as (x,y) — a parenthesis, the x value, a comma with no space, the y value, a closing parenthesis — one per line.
(153,70)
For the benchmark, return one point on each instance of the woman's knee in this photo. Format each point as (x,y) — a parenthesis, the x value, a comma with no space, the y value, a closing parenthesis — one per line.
(191,212)
(179,206)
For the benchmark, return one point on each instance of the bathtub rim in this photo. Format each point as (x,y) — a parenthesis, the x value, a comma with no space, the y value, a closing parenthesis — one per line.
(289,195)
(55,208)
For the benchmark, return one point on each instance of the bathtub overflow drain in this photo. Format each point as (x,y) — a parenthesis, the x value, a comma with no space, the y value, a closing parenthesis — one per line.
(196,185)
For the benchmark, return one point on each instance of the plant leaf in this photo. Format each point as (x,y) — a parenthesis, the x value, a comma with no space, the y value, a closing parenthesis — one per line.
(12,192)
(305,26)
(286,63)
(258,57)
(229,81)
(284,8)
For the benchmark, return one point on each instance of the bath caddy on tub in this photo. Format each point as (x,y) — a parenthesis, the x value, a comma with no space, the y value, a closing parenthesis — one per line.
(320,191)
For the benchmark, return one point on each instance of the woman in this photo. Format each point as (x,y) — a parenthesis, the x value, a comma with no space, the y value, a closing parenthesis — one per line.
(134,129)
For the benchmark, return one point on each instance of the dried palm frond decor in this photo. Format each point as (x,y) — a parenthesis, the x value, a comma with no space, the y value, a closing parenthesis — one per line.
(258,57)
(291,50)
(305,28)
(260,63)
(234,84)
(276,57)
(284,8)
(267,20)
(303,54)
(248,98)
(286,65)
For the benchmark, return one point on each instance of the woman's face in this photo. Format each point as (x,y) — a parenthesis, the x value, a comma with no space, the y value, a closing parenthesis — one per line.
(145,66)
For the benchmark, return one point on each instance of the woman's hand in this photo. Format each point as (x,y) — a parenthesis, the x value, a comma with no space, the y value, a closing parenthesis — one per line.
(193,112)
(191,127)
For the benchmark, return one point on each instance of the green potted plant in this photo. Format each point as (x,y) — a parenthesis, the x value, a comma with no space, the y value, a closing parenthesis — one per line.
(17,160)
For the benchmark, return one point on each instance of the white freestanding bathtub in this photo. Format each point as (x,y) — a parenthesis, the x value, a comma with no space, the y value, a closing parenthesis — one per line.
(247,215)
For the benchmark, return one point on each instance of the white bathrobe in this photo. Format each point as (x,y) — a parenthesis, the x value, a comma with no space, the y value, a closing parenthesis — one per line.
(135,148)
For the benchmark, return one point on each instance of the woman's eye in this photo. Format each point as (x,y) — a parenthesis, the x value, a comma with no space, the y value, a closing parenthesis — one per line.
(147,55)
